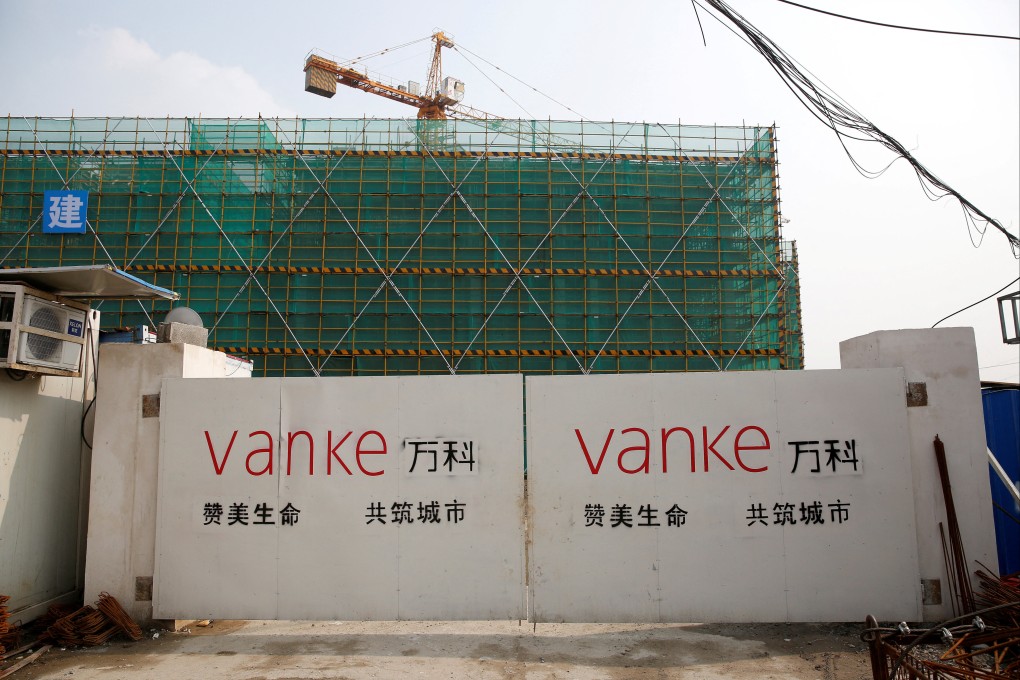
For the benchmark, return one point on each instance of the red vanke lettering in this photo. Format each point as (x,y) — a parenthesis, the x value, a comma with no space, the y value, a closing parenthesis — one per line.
(300,445)
(709,449)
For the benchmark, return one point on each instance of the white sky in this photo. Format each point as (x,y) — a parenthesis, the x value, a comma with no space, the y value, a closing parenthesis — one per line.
(874,254)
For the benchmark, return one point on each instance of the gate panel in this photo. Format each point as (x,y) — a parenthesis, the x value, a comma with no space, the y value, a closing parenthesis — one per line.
(780,497)
(364,498)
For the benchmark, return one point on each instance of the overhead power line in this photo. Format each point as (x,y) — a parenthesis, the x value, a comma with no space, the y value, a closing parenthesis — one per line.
(845,121)
(1008,363)
(976,303)
(905,28)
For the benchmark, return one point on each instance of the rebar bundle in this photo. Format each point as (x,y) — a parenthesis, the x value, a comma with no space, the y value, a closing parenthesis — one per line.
(91,626)
(111,608)
(5,627)
(54,614)
(997,591)
(980,645)
(69,630)
(956,558)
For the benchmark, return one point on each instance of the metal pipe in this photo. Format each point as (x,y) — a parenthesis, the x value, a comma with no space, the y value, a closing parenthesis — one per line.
(994,462)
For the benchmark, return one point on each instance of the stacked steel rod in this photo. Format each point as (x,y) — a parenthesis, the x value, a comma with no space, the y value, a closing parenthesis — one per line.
(10,633)
(90,626)
(981,645)
(997,591)
(978,644)
(5,627)
(956,558)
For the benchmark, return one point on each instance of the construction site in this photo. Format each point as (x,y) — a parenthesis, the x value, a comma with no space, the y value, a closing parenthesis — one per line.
(383,247)
(460,395)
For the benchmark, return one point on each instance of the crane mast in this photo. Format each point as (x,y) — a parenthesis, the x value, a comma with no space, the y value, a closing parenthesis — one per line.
(435,73)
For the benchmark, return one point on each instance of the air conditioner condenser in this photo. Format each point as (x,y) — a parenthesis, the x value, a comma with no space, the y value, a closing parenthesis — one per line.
(51,334)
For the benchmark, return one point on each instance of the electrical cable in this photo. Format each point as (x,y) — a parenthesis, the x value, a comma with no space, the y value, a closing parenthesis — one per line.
(843,119)
(1008,363)
(905,28)
(91,351)
(976,303)
(84,418)
(826,107)
(866,173)
(1006,512)
(702,28)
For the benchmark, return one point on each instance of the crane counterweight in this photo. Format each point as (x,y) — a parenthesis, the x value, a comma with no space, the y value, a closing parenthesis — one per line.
(320,76)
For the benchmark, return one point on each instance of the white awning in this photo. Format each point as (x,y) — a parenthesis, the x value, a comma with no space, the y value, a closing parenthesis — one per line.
(96,282)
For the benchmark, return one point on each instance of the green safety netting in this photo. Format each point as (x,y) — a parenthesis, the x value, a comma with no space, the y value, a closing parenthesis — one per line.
(363,247)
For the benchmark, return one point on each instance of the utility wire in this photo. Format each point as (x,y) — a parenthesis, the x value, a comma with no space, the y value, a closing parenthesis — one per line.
(844,120)
(1008,363)
(905,28)
(976,303)
(698,17)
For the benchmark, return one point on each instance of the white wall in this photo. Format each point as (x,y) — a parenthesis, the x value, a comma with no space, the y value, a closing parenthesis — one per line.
(347,551)
(767,534)
(946,360)
(124,482)
(43,488)
(125,456)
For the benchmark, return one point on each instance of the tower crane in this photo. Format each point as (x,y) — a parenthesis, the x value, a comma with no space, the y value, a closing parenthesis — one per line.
(441,99)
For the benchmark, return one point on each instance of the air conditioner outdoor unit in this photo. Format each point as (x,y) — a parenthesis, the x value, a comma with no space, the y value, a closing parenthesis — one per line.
(39,332)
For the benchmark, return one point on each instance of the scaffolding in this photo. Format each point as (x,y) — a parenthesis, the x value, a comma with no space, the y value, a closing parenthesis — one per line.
(393,246)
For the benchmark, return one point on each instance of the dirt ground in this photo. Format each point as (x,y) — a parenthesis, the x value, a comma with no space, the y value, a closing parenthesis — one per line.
(284,650)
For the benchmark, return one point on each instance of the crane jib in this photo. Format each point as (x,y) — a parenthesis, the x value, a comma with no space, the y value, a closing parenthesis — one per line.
(441,94)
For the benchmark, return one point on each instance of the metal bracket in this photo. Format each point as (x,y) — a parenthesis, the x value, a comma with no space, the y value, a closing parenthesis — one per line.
(917,394)
(150,406)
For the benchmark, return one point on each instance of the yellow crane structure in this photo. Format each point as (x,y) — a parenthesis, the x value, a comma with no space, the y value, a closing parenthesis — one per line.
(441,99)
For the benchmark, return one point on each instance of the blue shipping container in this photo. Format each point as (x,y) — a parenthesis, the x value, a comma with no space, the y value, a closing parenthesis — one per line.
(1002,431)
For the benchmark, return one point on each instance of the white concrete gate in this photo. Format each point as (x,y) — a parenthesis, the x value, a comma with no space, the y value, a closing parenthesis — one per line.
(766,496)
(354,498)
(662,497)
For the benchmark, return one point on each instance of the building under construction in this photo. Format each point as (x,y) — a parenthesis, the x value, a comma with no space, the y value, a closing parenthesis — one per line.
(407,246)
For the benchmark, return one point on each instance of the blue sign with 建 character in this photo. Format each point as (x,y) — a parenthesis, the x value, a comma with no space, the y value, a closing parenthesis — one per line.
(64,211)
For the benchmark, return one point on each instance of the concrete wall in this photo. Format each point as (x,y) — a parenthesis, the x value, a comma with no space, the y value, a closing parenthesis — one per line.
(688,497)
(122,519)
(305,498)
(43,488)
(122,526)
(945,360)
